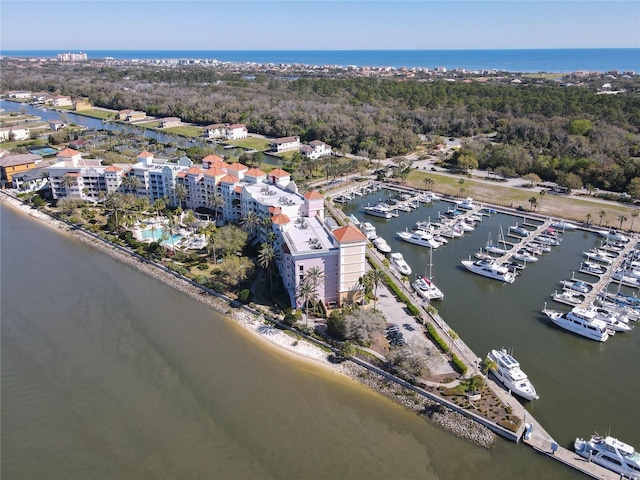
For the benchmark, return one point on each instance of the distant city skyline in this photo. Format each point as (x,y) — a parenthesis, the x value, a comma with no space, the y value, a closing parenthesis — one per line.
(317,25)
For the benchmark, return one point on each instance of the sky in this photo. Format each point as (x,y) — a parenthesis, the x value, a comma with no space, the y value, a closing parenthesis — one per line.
(317,25)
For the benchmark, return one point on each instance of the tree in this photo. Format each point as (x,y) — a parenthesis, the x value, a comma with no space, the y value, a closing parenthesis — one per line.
(189,219)
(428,183)
(159,206)
(533,201)
(375,276)
(542,194)
(131,183)
(361,325)
(634,188)
(180,192)
(250,222)
(462,189)
(622,218)
(67,182)
(215,201)
(589,218)
(230,239)
(266,256)
(453,336)
(486,366)
(532,179)
(304,294)
(602,214)
(634,214)
(170,229)
(115,202)
(315,278)
(234,269)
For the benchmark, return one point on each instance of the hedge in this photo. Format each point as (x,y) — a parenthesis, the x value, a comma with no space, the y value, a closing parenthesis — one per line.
(401,296)
(458,364)
(436,339)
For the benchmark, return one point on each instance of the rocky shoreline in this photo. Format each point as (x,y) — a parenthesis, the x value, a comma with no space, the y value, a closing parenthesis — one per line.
(441,416)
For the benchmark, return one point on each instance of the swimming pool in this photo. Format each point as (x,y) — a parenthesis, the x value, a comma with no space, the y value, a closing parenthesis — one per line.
(156,236)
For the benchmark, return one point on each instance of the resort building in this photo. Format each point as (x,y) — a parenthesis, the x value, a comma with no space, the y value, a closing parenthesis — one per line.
(12,165)
(217,130)
(236,131)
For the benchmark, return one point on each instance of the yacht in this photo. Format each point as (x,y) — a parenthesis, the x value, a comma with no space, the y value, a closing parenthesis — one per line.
(508,371)
(382,245)
(490,269)
(581,322)
(369,230)
(598,257)
(564,225)
(613,236)
(426,289)
(397,261)
(419,237)
(611,454)
(568,298)
(623,278)
(613,320)
(525,256)
(592,268)
(518,230)
(467,204)
(577,285)
(380,210)
(547,240)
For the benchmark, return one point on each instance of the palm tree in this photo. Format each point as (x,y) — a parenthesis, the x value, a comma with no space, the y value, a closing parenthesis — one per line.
(189,219)
(542,194)
(131,183)
(622,218)
(533,201)
(250,221)
(602,214)
(488,365)
(589,216)
(170,229)
(304,294)
(315,277)
(376,276)
(67,182)
(115,202)
(266,256)
(215,201)
(180,191)
(428,183)
(634,214)
(453,336)
(211,241)
(159,206)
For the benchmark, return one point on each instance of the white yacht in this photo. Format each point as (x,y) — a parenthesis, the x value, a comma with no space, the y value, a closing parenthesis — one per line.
(369,230)
(419,237)
(381,244)
(426,289)
(508,371)
(380,210)
(518,230)
(567,297)
(581,322)
(564,225)
(611,454)
(614,321)
(525,256)
(577,285)
(397,261)
(467,204)
(613,235)
(592,268)
(490,269)
(598,257)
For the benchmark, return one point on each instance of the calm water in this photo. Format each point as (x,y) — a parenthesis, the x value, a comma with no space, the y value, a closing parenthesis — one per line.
(583,385)
(532,60)
(107,373)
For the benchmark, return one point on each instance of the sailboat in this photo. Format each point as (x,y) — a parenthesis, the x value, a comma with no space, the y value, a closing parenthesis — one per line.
(425,287)
(495,249)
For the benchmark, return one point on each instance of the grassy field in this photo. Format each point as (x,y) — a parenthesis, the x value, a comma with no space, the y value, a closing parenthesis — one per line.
(251,143)
(575,208)
(187,131)
(96,113)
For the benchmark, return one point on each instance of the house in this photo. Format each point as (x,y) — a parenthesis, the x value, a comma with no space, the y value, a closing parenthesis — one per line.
(19,94)
(40,97)
(236,131)
(315,149)
(285,144)
(11,165)
(81,104)
(31,180)
(169,122)
(55,125)
(75,144)
(122,114)
(61,101)
(133,115)
(14,133)
(216,130)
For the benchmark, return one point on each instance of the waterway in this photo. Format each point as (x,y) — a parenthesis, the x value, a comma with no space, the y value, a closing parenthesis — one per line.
(584,386)
(107,373)
(97,124)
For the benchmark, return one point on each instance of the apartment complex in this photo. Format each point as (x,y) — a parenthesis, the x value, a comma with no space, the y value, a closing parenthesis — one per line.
(303,239)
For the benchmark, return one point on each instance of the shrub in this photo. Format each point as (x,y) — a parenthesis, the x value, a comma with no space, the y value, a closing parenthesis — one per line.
(203,266)
(508,424)
(37,200)
(458,364)
(442,345)
(245,295)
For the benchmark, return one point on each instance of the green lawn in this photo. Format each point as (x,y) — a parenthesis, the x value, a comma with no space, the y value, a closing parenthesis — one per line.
(251,143)
(95,113)
(187,131)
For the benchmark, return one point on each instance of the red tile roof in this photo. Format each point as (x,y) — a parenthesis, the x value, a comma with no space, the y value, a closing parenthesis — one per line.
(254,172)
(194,171)
(112,168)
(67,152)
(280,219)
(228,179)
(349,234)
(275,210)
(312,194)
(145,154)
(237,167)
(278,172)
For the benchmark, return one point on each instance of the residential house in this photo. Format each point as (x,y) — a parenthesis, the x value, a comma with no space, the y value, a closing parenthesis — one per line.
(134,115)
(216,130)
(76,144)
(40,97)
(80,104)
(315,149)
(19,94)
(55,125)
(14,133)
(236,131)
(61,101)
(11,165)
(285,144)
(169,122)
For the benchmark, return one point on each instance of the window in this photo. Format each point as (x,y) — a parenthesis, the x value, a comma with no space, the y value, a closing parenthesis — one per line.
(302,268)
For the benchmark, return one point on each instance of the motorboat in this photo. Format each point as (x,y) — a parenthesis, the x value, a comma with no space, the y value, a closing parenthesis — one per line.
(567,297)
(613,235)
(623,278)
(564,225)
(611,454)
(380,210)
(518,230)
(577,285)
(426,289)
(431,196)
(382,245)
(592,268)
(398,262)
(525,256)
(548,240)
(581,322)
(419,237)
(369,230)
(467,204)
(597,257)
(611,319)
(426,226)
(464,226)
(490,269)
(544,247)
(508,371)
(480,255)
(623,311)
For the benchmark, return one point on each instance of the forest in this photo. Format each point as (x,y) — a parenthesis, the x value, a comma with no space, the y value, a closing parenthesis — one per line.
(560,132)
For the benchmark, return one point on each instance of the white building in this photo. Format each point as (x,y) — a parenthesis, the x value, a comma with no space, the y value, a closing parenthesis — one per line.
(236,131)
(315,149)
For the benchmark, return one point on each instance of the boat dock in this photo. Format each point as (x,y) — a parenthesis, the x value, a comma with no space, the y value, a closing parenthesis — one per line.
(535,436)
(524,240)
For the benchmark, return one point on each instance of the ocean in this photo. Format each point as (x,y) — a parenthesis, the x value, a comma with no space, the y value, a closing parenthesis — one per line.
(540,60)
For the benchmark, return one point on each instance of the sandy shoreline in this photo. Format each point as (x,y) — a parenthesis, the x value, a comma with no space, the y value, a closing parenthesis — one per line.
(255,323)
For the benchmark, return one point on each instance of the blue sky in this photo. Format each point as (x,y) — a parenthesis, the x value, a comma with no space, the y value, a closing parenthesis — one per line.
(317,25)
